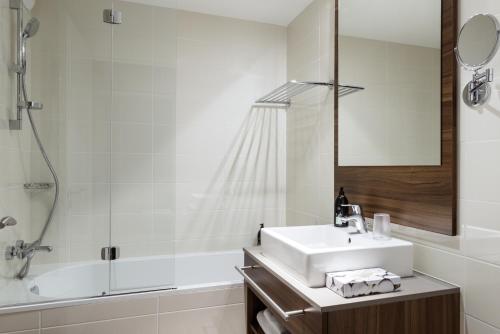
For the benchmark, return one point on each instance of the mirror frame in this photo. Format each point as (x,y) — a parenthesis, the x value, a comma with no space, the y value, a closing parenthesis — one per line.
(422,197)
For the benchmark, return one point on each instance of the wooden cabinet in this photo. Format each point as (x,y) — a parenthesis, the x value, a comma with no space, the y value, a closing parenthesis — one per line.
(434,313)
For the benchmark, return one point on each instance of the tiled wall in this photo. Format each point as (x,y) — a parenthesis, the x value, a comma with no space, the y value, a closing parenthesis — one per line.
(150,121)
(15,150)
(383,124)
(143,131)
(210,311)
(230,157)
(310,119)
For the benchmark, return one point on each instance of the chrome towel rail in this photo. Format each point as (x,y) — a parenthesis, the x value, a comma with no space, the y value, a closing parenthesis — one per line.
(285,315)
(283,95)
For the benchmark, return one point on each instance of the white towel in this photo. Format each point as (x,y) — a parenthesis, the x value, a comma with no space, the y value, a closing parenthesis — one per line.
(269,324)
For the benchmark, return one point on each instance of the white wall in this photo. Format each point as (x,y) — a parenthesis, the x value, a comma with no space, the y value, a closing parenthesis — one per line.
(230,158)
(150,126)
(310,119)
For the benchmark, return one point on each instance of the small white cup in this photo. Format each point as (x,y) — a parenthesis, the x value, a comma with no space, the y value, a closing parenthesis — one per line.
(381,226)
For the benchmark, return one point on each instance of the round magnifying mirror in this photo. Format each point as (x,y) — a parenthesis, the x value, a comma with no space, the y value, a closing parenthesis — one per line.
(478,41)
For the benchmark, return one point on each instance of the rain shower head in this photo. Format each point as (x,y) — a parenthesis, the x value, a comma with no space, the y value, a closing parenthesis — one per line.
(31,28)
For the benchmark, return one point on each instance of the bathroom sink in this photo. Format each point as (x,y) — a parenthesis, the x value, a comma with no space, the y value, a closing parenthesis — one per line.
(309,252)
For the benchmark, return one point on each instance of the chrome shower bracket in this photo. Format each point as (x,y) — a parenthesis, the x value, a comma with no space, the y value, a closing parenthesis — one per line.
(17,5)
(20,69)
(478,90)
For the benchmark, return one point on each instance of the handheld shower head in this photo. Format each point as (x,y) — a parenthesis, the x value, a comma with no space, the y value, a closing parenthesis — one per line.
(31,28)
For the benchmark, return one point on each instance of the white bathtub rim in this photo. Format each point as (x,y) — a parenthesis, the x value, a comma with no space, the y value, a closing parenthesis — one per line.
(41,302)
(39,306)
(41,269)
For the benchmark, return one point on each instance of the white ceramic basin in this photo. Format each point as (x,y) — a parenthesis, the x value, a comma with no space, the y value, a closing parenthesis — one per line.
(309,252)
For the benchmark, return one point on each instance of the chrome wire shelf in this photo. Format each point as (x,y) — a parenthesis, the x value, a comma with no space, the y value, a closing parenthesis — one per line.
(346,90)
(283,95)
(38,186)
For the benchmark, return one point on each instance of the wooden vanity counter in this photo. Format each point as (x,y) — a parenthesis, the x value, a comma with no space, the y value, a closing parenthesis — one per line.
(423,305)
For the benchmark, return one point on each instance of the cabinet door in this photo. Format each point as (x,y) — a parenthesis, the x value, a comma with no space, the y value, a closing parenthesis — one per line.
(435,315)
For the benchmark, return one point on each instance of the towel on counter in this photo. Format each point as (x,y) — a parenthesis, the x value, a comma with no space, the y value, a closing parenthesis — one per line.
(269,324)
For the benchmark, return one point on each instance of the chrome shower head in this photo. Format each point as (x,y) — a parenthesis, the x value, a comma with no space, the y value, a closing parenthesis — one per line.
(31,28)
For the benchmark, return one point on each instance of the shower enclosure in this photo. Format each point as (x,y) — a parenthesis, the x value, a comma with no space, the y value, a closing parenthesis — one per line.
(108,94)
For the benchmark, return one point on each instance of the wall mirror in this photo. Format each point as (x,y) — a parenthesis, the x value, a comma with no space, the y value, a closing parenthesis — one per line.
(395,140)
(392,49)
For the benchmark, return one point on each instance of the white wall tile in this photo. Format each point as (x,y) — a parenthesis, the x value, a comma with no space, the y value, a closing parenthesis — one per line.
(139,325)
(474,326)
(481,291)
(19,321)
(133,39)
(98,312)
(223,320)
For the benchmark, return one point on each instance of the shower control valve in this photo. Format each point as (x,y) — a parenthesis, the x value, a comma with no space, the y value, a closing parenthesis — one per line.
(14,251)
(23,250)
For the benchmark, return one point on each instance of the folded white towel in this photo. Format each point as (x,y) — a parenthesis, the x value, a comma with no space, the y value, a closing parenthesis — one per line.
(269,323)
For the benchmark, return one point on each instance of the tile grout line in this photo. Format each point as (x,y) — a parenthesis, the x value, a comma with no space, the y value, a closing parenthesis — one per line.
(157,315)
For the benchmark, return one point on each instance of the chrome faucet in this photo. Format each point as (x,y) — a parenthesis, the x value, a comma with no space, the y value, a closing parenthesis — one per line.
(23,250)
(356,219)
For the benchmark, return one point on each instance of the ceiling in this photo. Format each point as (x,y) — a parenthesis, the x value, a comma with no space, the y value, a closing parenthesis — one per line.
(279,12)
(400,21)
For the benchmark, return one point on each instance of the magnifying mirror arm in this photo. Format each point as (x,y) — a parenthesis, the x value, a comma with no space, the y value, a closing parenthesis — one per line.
(478,89)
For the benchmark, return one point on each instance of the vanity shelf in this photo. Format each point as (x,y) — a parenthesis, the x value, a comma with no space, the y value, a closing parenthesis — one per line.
(283,95)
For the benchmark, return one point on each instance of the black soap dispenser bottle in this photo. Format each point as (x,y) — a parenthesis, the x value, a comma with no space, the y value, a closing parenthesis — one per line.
(341,211)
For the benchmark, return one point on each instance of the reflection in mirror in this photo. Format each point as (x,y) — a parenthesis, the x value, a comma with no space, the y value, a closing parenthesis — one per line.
(392,48)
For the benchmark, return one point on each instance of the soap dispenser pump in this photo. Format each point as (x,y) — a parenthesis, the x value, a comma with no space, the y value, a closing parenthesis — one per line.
(340,209)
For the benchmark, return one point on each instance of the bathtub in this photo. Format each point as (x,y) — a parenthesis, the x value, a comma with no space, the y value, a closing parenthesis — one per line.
(186,271)
(66,285)
(189,293)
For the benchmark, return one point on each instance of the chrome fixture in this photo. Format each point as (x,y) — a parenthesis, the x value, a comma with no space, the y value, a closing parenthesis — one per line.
(23,34)
(477,44)
(7,221)
(356,219)
(23,250)
(38,186)
(283,95)
(285,315)
(110,253)
(112,16)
